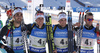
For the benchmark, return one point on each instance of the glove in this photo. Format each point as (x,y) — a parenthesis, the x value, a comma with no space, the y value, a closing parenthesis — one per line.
(9,50)
(10,24)
(4,40)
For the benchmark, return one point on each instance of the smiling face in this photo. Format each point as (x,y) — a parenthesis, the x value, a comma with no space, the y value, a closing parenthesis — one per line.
(40,21)
(39,18)
(18,17)
(62,19)
(62,22)
(89,19)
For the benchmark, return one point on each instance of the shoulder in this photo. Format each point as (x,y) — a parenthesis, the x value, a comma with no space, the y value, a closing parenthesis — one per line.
(5,27)
(55,25)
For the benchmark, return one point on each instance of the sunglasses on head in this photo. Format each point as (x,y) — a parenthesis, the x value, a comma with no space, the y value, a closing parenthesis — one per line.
(39,14)
(90,19)
(18,8)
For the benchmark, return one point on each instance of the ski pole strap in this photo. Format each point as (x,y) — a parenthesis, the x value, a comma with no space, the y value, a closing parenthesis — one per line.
(7,33)
(54,28)
(97,33)
(33,25)
(98,37)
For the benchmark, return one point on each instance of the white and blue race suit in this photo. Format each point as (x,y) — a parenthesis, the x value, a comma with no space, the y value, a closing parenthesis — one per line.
(17,40)
(88,41)
(37,40)
(61,40)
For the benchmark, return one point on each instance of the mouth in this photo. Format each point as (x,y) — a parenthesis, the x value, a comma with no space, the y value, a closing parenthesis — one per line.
(19,19)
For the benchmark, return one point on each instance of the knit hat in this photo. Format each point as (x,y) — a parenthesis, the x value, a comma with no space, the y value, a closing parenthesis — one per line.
(39,14)
(60,16)
(17,10)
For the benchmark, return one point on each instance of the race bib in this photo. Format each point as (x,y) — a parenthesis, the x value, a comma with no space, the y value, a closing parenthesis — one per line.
(87,43)
(37,42)
(17,41)
(61,42)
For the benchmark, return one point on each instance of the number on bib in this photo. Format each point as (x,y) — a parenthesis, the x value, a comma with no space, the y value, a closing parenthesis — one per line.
(17,40)
(39,41)
(62,41)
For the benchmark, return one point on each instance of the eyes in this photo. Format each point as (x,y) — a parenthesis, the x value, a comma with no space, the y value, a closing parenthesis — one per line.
(63,20)
(18,14)
(89,19)
(40,18)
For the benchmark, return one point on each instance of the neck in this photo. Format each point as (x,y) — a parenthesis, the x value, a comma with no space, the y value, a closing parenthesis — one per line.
(62,25)
(16,24)
(40,26)
(88,25)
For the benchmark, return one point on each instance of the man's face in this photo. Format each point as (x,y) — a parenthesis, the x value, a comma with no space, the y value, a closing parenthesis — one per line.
(62,22)
(89,20)
(40,20)
(18,17)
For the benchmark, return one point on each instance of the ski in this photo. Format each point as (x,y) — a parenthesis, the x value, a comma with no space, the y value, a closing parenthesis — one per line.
(11,6)
(11,35)
(24,38)
(11,30)
(50,40)
(79,32)
(70,33)
(14,5)
(78,36)
(98,40)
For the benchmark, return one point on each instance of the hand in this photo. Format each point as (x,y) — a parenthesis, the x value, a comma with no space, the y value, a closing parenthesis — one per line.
(74,52)
(55,51)
(77,24)
(97,27)
(10,24)
(9,50)
(4,40)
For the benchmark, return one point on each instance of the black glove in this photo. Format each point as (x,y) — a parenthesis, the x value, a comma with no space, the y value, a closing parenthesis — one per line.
(4,40)
(9,50)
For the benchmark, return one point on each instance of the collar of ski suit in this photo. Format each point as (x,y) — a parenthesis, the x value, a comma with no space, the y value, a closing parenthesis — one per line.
(41,27)
(62,27)
(89,28)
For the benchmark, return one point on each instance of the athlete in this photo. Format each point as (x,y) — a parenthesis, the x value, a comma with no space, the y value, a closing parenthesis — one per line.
(88,35)
(38,34)
(13,33)
(61,34)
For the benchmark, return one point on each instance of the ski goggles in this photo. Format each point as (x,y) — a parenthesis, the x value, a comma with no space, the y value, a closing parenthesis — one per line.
(90,19)
(18,8)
